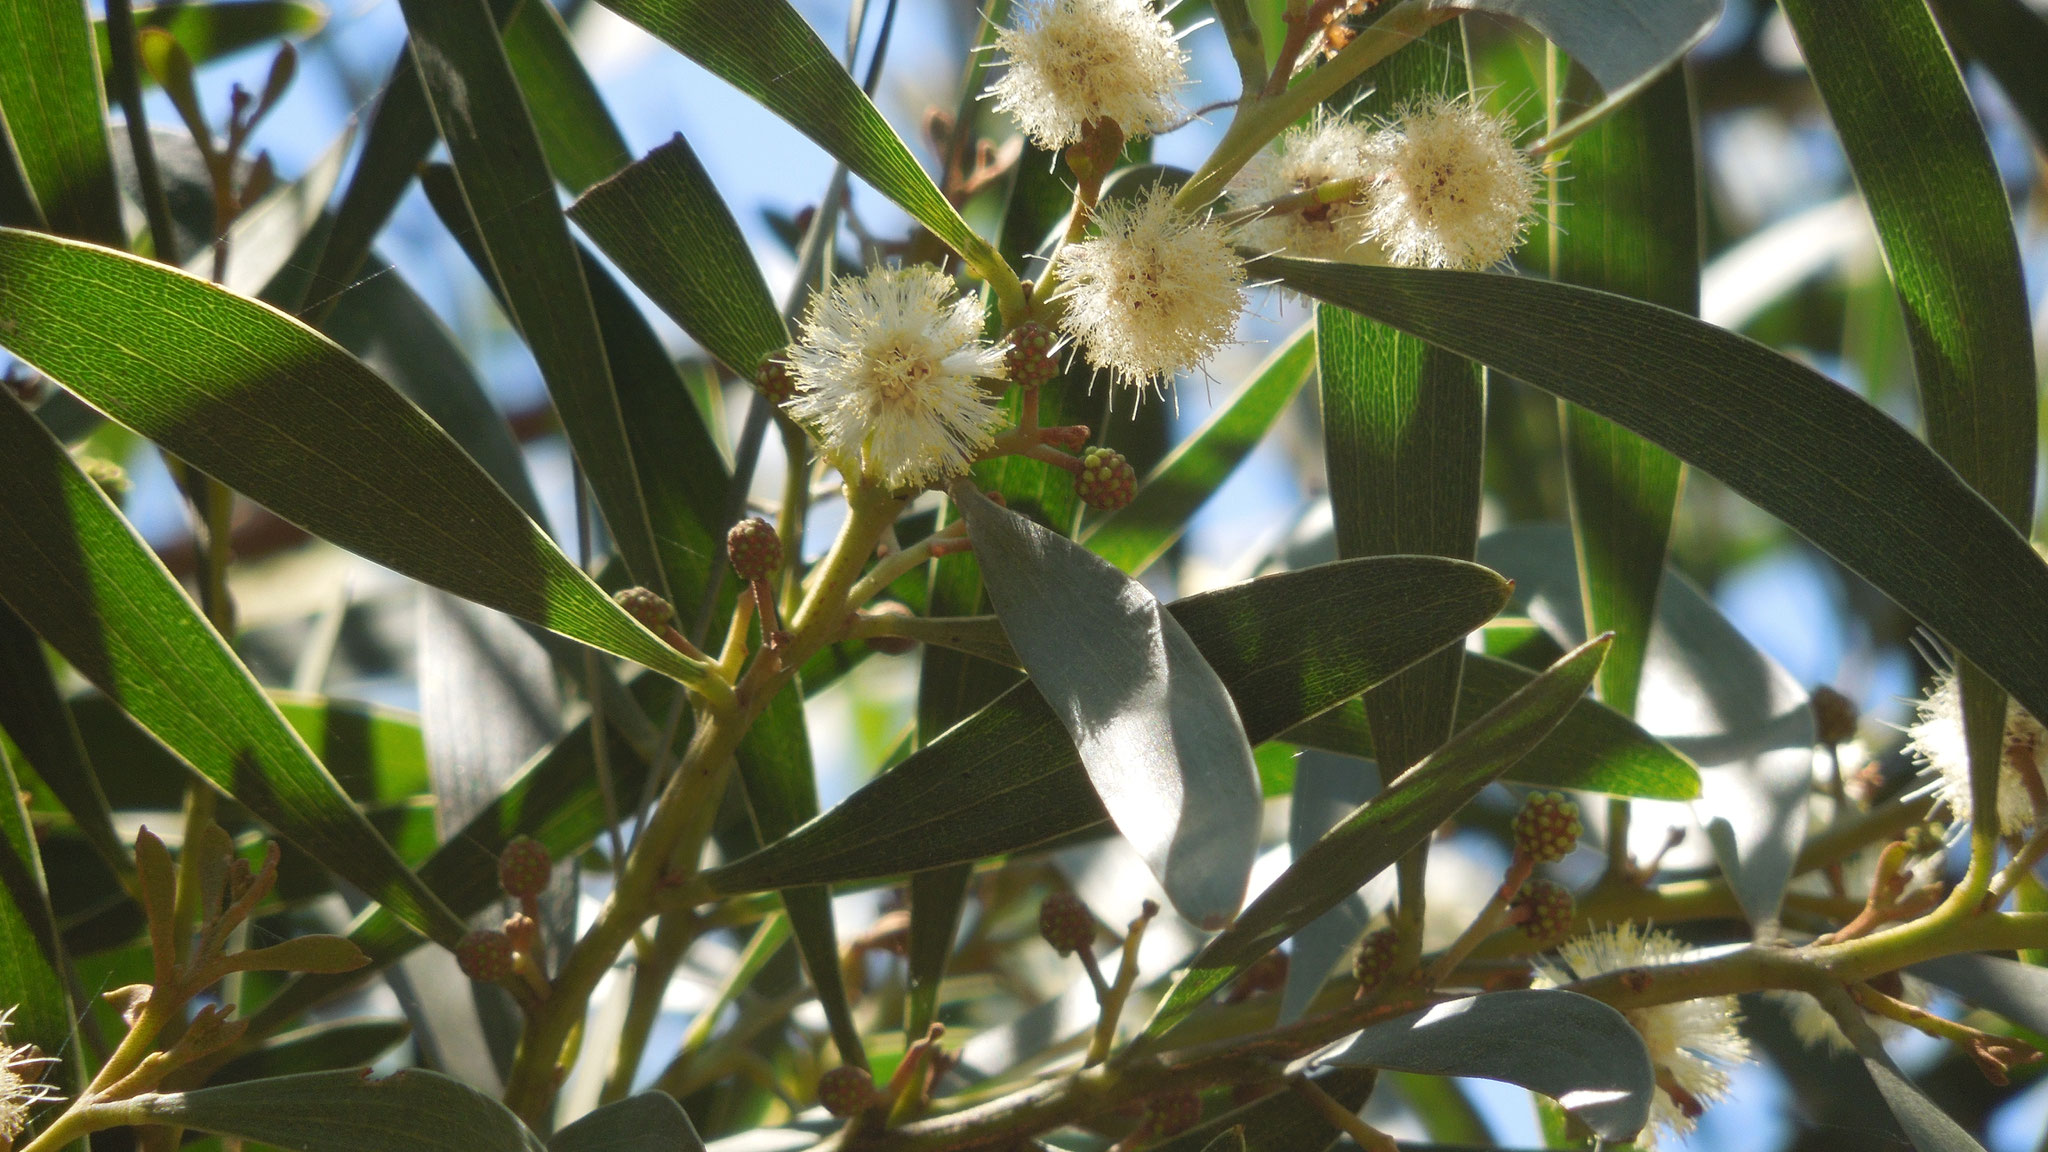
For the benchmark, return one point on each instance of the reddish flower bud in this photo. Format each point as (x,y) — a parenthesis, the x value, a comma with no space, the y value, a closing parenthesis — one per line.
(524,868)
(846,1090)
(1066,923)
(1547,827)
(484,956)
(755,550)
(1107,481)
(1029,358)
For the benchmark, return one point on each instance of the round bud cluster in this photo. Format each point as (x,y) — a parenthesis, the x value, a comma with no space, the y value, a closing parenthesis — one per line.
(653,612)
(846,1090)
(1066,923)
(755,550)
(1107,481)
(1376,954)
(775,380)
(1547,828)
(1545,909)
(484,956)
(1028,358)
(524,868)
(1834,715)
(1176,1112)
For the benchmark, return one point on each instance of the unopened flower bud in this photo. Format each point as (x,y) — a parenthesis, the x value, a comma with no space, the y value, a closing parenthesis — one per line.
(1834,715)
(1376,955)
(775,380)
(1107,481)
(1547,828)
(653,612)
(1066,923)
(846,1090)
(1544,908)
(1028,358)
(524,868)
(484,956)
(755,550)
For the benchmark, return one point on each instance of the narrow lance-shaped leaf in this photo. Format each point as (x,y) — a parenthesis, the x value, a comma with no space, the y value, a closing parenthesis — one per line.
(1009,777)
(667,227)
(764,48)
(649,1122)
(510,195)
(1925,1123)
(81,577)
(2011,39)
(582,142)
(1571,1048)
(415,1110)
(39,721)
(1810,452)
(34,982)
(1593,749)
(55,112)
(276,411)
(1402,815)
(1156,729)
(1913,140)
(1630,225)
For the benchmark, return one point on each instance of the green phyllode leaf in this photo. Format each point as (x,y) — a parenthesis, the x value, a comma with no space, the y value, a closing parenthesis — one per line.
(1630,225)
(412,1111)
(1384,828)
(1154,725)
(505,183)
(55,113)
(95,592)
(764,48)
(35,1001)
(1569,1047)
(1594,749)
(1810,452)
(1009,777)
(1913,140)
(666,226)
(279,413)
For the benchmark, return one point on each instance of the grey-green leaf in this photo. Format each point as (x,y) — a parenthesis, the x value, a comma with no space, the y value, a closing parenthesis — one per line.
(1008,777)
(1156,729)
(1710,693)
(413,1111)
(1571,1048)
(649,1122)
(1621,42)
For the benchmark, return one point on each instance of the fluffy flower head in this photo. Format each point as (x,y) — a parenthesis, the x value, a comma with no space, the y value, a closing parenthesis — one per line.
(1936,739)
(886,373)
(1689,1041)
(1327,150)
(19,1086)
(1454,191)
(1155,291)
(1072,61)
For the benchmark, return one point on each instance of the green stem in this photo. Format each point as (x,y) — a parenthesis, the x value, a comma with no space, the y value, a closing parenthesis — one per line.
(651,973)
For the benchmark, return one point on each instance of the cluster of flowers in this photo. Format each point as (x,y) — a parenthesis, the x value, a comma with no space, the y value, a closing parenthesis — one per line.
(890,372)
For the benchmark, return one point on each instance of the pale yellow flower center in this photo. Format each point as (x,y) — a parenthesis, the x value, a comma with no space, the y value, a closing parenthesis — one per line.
(896,371)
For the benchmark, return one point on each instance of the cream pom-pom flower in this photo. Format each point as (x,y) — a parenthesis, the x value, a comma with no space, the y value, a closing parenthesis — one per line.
(18,1092)
(1936,739)
(1689,1041)
(1328,150)
(1073,61)
(886,376)
(1453,190)
(1156,290)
